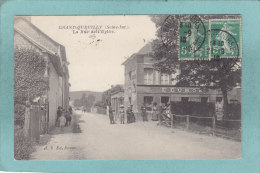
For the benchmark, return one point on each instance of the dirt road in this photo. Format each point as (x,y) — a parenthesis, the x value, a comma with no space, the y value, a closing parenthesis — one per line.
(100,140)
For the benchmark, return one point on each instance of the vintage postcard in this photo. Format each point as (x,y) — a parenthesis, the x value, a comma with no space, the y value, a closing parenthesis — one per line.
(127,87)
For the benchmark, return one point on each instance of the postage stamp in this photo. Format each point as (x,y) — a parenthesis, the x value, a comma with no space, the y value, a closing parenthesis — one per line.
(225,39)
(207,39)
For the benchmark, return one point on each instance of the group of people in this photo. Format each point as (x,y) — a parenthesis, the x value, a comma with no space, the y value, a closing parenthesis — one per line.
(161,113)
(63,117)
(129,112)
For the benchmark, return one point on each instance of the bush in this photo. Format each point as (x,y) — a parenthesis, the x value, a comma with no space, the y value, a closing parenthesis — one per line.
(19,111)
(193,108)
(234,111)
(22,145)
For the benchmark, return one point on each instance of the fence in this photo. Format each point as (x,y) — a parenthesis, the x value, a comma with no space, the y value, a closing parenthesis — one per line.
(230,129)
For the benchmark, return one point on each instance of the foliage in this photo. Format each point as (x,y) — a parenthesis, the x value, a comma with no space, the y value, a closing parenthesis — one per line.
(86,101)
(29,80)
(100,104)
(77,103)
(224,74)
(22,145)
(193,108)
(19,111)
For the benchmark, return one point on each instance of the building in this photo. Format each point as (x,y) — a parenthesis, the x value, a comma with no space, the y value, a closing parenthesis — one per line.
(117,99)
(143,84)
(114,96)
(28,36)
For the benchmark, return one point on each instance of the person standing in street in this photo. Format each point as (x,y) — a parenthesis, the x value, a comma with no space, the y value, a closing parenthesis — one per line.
(121,114)
(144,113)
(132,115)
(161,112)
(62,121)
(111,116)
(59,113)
(128,112)
(155,112)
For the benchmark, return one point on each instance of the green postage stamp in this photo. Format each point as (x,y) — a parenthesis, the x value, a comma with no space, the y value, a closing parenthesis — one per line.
(212,38)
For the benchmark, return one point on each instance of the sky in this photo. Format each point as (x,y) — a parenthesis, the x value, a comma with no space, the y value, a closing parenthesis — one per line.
(96,58)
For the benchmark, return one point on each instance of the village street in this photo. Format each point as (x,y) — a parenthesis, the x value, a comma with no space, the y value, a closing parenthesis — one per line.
(99,140)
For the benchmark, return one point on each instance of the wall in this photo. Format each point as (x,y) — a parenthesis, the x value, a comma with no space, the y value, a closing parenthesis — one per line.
(116,100)
(53,95)
(130,85)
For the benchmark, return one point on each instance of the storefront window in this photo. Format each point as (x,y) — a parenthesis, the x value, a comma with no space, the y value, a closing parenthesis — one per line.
(148,100)
(165,100)
(148,76)
(185,99)
(204,99)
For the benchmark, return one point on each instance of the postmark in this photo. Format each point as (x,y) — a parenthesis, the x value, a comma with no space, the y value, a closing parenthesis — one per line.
(225,38)
(204,40)
(193,40)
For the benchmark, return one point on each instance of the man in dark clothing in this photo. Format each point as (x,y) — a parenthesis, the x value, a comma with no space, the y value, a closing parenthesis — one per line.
(128,113)
(132,116)
(111,116)
(70,110)
(144,113)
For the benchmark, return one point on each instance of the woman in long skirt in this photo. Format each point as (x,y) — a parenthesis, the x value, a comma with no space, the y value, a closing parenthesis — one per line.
(121,114)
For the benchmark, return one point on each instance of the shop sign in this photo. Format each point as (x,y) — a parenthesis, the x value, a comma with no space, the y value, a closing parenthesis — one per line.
(183,90)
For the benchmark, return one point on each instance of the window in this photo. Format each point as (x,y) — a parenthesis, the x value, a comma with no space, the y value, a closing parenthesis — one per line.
(218,99)
(129,75)
(185,99)
(148,76)
(173,80)
(165,100)
(165,79)
(148,100)
(130,100)
(204,99)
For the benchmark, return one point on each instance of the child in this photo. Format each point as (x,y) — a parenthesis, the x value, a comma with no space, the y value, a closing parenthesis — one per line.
(62,120)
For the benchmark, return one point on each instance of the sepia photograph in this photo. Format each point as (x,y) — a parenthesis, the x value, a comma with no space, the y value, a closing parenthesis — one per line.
(127,87)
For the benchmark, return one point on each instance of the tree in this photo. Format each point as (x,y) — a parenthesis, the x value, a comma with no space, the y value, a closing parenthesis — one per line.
(91,99)
(223,74)
(83,99)
(77,103)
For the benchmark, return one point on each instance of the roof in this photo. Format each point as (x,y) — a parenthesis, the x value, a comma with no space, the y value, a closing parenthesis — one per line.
(146,49)
(115,89)
(38,38)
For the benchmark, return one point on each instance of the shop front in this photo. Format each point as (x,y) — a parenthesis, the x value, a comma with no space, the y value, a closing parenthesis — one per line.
(162,95)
